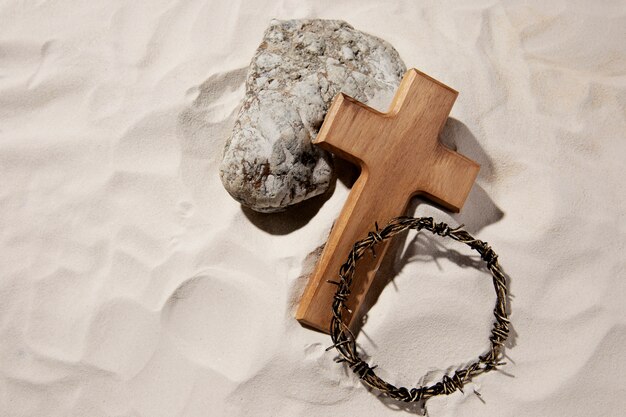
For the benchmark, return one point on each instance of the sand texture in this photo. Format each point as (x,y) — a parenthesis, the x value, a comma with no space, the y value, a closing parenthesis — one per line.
(133,285)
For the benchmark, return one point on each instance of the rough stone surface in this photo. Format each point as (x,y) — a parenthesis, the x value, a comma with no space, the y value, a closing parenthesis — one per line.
(269,162)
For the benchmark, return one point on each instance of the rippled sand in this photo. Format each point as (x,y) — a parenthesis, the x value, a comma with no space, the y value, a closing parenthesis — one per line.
(131,284)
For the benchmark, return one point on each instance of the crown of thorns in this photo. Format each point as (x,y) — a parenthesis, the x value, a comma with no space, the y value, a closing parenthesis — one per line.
(345,341)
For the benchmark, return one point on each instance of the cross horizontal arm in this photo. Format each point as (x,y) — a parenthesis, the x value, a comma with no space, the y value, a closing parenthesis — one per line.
(447,179)
(348,130)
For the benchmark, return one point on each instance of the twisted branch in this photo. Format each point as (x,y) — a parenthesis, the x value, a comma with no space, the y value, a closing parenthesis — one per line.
(345,342)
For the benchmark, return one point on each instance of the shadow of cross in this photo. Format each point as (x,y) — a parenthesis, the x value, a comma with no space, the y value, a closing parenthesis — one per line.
(400,156)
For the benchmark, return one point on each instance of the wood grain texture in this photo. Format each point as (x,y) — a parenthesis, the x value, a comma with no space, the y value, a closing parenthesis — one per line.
(400,156)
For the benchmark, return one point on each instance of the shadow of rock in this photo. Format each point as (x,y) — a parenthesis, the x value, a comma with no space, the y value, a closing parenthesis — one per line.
(293,218)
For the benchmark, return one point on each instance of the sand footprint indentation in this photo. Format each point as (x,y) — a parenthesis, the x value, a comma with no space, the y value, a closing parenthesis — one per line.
(221,320)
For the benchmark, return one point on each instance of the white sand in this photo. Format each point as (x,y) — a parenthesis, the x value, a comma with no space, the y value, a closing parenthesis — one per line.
(131,284)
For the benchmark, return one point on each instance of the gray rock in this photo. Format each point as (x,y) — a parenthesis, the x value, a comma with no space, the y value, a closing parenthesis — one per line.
(269,162)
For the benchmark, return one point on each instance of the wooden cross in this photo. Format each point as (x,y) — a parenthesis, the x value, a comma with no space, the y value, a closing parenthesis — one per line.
(400,156)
